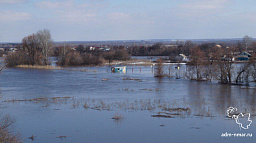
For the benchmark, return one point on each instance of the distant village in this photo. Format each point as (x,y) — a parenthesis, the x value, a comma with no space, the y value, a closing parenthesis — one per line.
(206,60)
(179,51)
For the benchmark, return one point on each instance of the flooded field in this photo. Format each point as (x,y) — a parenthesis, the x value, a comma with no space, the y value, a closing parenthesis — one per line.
(94,105)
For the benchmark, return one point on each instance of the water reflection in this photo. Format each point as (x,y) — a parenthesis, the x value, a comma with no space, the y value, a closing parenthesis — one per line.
(216,99)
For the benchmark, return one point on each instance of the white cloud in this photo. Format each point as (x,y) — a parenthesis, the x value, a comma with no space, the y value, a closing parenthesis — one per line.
(71,11)
(119,16)
(69,4)
(55,4)
(11,1)
(97,5)
(204,8)
(206,4)
(78,15)
(7,15)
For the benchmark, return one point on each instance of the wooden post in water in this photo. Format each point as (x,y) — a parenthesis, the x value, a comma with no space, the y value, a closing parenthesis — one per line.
(178,72)
(132,69)
(140,69)
(169,71)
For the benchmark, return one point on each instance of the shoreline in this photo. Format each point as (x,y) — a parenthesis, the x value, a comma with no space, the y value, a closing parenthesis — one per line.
(131,62)
(39,67)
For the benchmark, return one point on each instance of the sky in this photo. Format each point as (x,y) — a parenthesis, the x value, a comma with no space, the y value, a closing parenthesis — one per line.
(102,20)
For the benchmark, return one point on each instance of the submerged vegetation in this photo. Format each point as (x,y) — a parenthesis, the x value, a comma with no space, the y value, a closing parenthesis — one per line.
(159,69)
(179,108)
(218,64)
(117,117)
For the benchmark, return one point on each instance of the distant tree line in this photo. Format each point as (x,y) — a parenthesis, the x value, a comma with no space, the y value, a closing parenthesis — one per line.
(81,55)
(36,49)
(159,49)
(211,61)
(184,47)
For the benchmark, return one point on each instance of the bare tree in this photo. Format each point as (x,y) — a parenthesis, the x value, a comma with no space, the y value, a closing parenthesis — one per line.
(197,62)
(1,66)
(63,52)
(6,133)
(225,65)
(109,56)
(45,43)
(31,46)
(244,69)
(212,55)
(253,72)
(160,69)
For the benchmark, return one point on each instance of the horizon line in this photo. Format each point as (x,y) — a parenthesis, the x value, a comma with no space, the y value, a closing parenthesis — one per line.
(63,41)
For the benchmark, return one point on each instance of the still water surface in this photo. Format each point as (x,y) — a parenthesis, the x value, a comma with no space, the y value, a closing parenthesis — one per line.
(133,99)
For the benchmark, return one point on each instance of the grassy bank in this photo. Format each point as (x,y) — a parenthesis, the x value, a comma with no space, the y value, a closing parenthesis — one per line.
(38,67)
(135,62)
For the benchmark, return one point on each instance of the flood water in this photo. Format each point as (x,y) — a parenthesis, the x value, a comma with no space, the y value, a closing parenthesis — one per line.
(75,105)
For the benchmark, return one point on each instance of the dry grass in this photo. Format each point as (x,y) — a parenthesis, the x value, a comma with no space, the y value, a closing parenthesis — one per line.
(162,116)
(174,108)
(32,137)
(86,106)
(135,79)
(83,70)
(117,117)
(150,89)
(53,99)
(66,97)
(6,134)
(38,67)
(34,99)
(134,62)
(76,104)
(62,137)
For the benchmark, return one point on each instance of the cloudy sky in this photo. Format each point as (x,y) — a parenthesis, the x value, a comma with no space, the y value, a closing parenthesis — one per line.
(93,20)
